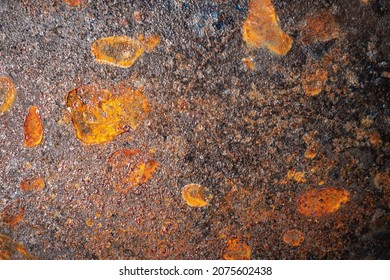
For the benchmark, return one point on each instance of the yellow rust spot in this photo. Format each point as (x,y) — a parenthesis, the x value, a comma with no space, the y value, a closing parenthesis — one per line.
(99,116)
(33,130)
(310,153)
(11,250)
(317,203)
(320,27)
(122,51)
(7,94)
(261,28)
(248,62)
(73,3)
(313,83)
(293,237)
(129,168)
(297,176)
(35,184)
(196,195)
(236,249)
(89,222)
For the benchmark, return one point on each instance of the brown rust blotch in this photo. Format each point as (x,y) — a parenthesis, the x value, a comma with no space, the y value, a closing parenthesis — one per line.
(7,94)
(33,129)
(99,116)
(11,250)
(122,51)
(129,168)
(12,214)
(196,195)
(261,28)
(320,202)
(293,237)
(314,82)
(320,27)
(34,184)
(236,249)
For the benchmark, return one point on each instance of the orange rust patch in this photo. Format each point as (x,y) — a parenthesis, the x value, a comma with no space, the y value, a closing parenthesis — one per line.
(248,61)
(310,153)
(73,3)
(35,184)
(196,195)
(11,250)
(293,237)
(261,28)
(236,249)
(130,168)
(313,83)
(98,116)
(317,203)
(297,176)
(320,27)
(7,94)
(122,51)
(33,130)
(374,138)
(12,214)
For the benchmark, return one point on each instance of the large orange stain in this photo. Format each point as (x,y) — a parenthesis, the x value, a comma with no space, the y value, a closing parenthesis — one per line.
(99,116)
(320,202)
(261,28)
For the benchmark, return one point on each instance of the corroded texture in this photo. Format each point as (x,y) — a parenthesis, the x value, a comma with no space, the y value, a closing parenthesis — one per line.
(210,110)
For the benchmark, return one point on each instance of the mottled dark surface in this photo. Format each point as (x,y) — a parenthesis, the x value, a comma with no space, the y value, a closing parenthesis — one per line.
(212,122)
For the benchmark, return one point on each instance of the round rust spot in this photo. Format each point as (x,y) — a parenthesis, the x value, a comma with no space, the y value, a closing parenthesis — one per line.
(7,94)
(196,195)
(293,237)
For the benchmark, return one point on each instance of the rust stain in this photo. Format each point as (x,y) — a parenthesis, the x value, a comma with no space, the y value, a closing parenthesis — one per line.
(248,62)
(99,116)
(382,180)
(129,168)
(34,184)
(236,249)
(320,202)
(122,51)
(313,82)
(12,214)
(320,27)
(7,94)
(33,129)
(11,250)
(196,195)
(293,237)
(74,3)
(261,28)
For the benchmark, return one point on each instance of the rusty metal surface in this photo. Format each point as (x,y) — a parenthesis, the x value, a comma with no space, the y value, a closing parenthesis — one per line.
(276,173)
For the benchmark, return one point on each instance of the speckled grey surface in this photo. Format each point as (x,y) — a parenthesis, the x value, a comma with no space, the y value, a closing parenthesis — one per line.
(213,121)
